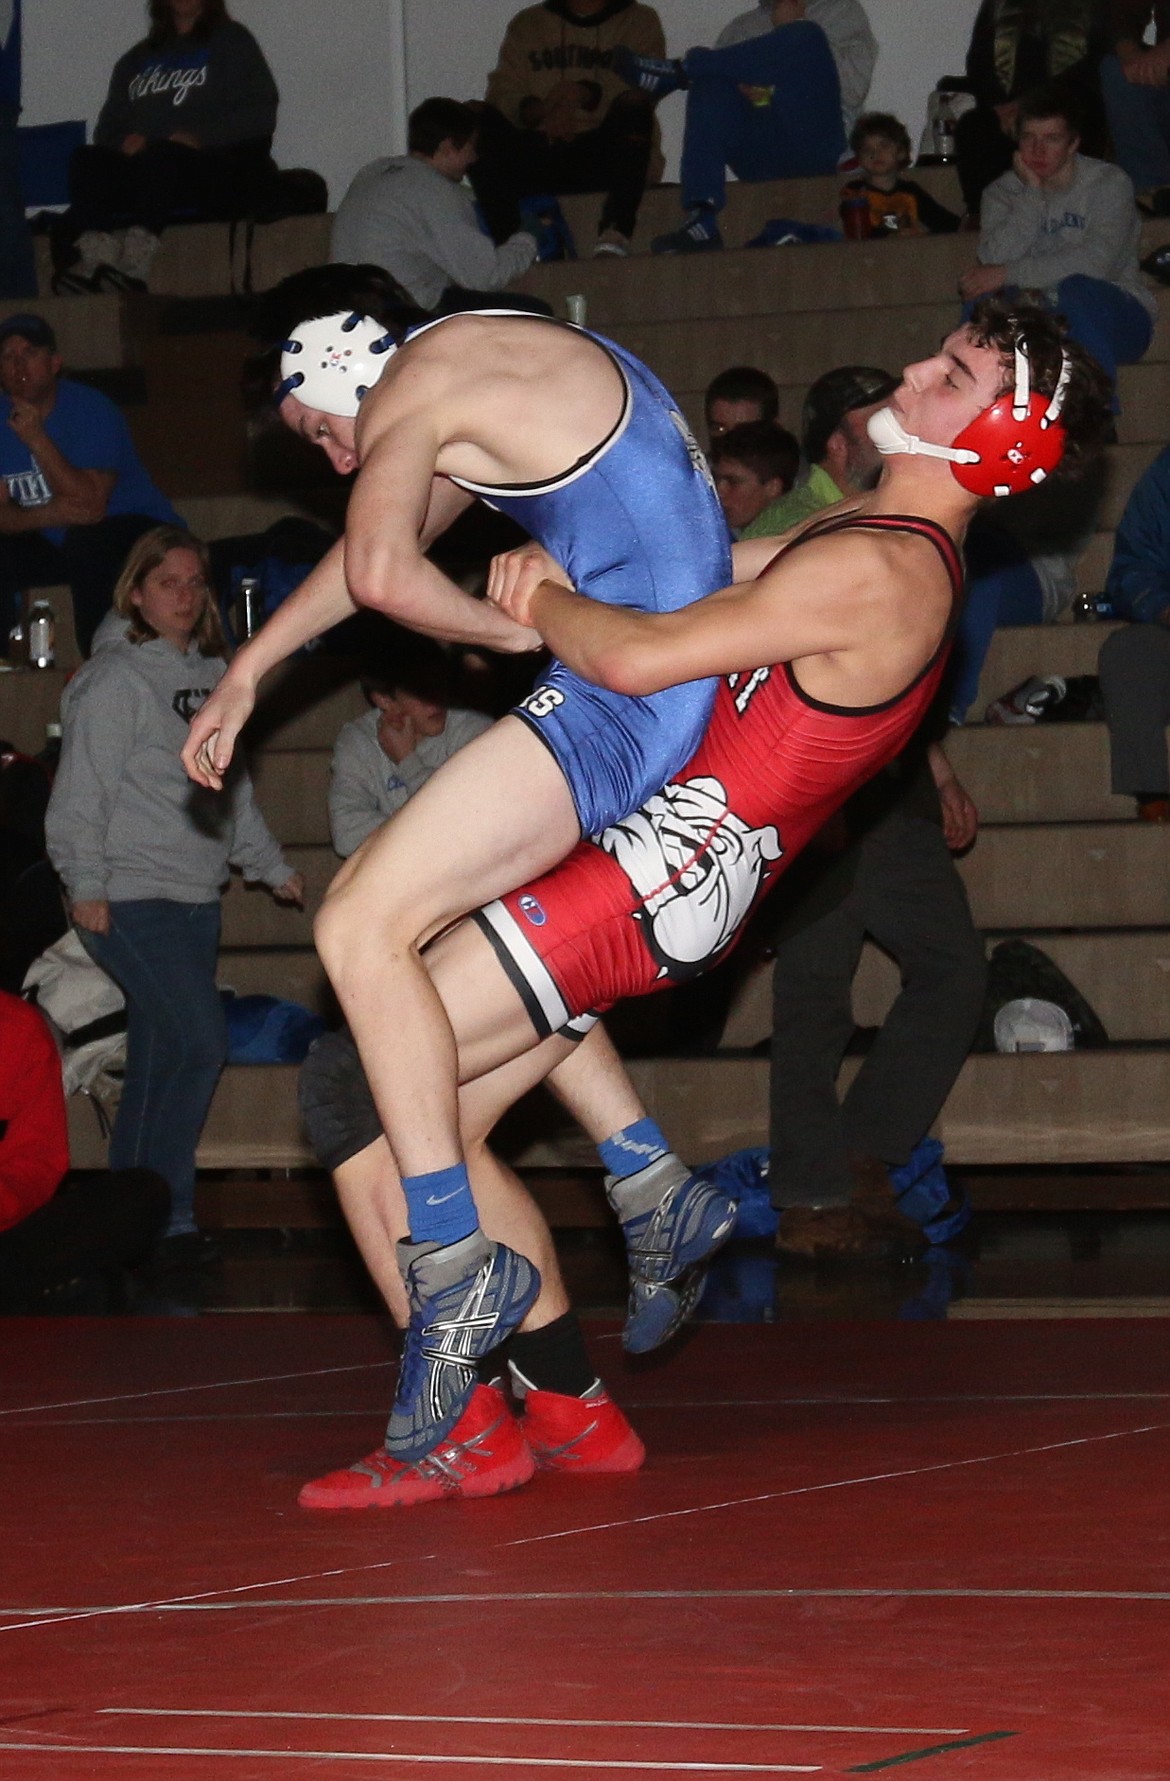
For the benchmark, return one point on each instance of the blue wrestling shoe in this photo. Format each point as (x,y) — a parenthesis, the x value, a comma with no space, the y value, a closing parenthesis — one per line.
(673,1223)
(653,75)
(465,1298)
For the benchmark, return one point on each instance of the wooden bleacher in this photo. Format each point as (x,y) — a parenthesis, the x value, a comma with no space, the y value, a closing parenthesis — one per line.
(1059,857)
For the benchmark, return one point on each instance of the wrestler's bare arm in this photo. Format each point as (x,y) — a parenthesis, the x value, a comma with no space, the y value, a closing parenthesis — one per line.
(837,597)
(321,601)
(394,499)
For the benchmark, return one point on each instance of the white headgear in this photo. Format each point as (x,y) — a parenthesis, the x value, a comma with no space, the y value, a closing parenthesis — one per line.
(332,362)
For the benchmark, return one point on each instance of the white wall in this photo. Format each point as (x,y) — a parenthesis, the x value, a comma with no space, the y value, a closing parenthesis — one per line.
(341,76)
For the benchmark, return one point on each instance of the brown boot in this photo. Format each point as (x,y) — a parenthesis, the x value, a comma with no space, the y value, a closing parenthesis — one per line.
(830,1233)
(868,1229)
(874,1197)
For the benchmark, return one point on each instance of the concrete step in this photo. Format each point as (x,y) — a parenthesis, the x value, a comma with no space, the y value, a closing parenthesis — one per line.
(1020,651)
(1039,773)
(292,789)
(226,516)
(1025,876)
(1124,976)
(1075,1107)
(294,973)
(252,918)
(798,346)
(749,206)
(92,332)
(761,281)
(1080,875)
(196,259)
(303,703)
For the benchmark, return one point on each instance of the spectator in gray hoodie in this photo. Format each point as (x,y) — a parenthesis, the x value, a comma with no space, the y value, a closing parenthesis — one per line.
(381,759)
(144,854)
(1064,225)
(410,215)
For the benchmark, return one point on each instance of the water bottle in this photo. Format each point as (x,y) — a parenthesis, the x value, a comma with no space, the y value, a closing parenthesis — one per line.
(41,635)
(855,217)
(250,608)
(51,753)
(943,128)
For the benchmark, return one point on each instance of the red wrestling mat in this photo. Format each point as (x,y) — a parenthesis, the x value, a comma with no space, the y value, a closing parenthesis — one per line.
(923,1550)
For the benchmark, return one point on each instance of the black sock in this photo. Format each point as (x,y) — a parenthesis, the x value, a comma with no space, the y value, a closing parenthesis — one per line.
(553,1358)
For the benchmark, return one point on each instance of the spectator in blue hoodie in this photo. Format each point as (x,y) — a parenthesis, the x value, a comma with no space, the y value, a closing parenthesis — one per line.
(1135,662)
(185,133)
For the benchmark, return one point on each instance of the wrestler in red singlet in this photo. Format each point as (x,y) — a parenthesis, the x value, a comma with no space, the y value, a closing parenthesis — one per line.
(665,894)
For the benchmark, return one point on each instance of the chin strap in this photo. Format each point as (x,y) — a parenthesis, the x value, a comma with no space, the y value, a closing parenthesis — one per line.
(892,440)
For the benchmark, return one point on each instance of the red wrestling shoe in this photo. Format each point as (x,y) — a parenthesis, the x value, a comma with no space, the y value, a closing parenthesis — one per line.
(587,1434)
(484,1454)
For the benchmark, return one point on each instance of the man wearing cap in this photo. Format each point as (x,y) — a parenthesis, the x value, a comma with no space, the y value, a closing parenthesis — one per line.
(74,494)
(842,458)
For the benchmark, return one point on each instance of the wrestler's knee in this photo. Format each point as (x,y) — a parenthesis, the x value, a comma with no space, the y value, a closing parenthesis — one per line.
(361,910)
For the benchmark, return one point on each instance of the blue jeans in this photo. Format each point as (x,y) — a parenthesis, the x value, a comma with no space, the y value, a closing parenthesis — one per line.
(798,132)
(162,956)
(18,276)
(1003,589)
(1139,123)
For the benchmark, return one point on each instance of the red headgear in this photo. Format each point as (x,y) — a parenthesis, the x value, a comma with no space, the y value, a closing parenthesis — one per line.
(1009,447)
(1017,441)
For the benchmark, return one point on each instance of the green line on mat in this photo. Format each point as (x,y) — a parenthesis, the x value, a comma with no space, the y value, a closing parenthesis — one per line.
(890,1762)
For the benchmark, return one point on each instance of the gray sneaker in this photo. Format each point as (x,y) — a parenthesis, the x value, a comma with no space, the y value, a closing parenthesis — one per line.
(465,1299)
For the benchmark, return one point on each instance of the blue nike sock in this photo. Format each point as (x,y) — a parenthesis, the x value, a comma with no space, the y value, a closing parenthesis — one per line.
(632,1149)
(439,1206)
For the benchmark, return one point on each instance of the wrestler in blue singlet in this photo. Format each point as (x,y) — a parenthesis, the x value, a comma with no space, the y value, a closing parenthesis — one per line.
(635,522)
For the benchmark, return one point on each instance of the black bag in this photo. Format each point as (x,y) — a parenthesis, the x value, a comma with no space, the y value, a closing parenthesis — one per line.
(1016,969)
(290,191)
(281,192)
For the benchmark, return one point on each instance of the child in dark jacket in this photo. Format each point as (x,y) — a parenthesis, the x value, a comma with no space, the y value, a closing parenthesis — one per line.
(880,202)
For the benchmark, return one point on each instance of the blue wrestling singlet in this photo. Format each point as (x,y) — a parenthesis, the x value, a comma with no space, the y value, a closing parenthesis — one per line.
(635,522)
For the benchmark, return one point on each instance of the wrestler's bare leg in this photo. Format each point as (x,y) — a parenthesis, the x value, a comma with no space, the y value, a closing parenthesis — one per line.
(495,815)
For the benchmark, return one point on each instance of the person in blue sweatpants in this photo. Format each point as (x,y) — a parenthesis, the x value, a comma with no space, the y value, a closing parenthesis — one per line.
(768,108)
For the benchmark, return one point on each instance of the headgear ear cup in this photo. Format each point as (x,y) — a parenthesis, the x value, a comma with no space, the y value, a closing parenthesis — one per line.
(1019,440)
(330,363)
(1014,454)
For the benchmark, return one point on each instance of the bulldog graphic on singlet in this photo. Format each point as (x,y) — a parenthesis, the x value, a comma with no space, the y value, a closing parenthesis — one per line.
(697,868)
